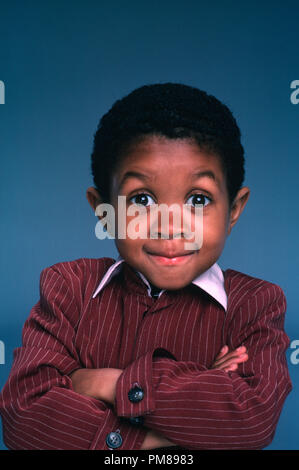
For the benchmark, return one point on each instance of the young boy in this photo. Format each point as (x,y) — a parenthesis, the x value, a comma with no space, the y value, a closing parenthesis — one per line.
(161,347)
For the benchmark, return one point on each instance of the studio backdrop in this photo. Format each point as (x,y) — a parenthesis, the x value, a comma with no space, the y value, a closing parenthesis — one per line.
(62,66)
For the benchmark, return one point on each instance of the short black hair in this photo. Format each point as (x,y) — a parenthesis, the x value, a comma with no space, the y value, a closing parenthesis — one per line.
(172,110)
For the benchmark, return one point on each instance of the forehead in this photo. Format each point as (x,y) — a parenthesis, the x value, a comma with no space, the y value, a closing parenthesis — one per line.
(160,158)
(167,163)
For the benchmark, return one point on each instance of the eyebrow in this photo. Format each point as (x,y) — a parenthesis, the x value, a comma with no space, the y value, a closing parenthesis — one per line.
(133,174)
(206,174)
(144,177)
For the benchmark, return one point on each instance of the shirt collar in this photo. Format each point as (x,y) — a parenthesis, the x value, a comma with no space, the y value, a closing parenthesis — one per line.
(211,281)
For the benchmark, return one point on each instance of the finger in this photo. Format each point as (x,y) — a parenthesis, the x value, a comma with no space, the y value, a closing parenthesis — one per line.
(231,368)
(232,360)
(229,361)
(223,352)
(232,355)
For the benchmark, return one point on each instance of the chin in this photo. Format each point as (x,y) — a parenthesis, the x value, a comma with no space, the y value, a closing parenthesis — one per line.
(171,285)
(172,288)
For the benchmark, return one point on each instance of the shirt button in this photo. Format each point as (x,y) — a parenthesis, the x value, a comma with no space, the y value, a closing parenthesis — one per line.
(136,420)
(114,440)
(136,394)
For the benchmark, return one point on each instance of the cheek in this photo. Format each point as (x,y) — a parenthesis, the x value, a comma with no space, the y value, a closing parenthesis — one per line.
(131,222)
(129,248)
(215,231)
(125,249)
(132,252)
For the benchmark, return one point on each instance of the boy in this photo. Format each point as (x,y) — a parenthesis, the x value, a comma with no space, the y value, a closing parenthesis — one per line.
(161,347)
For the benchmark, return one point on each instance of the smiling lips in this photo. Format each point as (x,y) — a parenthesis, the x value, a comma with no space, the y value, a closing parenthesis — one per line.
(170,259)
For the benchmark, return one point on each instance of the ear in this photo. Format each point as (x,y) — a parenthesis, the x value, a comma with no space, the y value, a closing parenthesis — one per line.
(238,206)
(93,197)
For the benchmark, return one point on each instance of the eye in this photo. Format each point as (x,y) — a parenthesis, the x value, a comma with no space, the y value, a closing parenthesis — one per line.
(197,199)
(142,199)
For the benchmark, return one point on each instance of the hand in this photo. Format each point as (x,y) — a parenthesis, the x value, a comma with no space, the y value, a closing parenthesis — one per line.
(101,384)
(96,383)
(228,361)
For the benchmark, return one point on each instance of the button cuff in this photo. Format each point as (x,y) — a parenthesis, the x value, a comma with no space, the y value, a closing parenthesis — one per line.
(114,440)
(136,394)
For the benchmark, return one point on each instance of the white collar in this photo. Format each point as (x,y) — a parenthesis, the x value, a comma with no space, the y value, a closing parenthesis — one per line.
(211,281)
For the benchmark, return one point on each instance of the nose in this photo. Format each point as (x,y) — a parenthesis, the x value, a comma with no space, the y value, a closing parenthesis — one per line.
(167,223)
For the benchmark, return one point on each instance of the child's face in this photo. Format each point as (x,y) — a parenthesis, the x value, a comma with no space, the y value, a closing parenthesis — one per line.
(170,167)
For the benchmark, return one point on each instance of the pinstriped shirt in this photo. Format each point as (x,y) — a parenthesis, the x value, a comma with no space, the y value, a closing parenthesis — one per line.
(165,345)
(211,281)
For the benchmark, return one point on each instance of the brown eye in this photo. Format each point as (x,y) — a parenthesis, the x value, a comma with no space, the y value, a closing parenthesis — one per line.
(199,199)
(142,199)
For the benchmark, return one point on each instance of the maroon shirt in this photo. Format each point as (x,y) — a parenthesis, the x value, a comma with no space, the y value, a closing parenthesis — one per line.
(165,346)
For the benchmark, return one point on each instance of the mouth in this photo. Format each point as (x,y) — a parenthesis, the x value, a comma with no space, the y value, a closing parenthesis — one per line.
(167,259)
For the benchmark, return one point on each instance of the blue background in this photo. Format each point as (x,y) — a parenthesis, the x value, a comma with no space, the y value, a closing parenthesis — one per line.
(64,63)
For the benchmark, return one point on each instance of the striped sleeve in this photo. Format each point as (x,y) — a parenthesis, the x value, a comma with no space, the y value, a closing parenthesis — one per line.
(39,408)
(212,409)
(139,373)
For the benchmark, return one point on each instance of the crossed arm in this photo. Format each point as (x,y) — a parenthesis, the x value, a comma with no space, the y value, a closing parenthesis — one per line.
(101,384)
(48,402)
